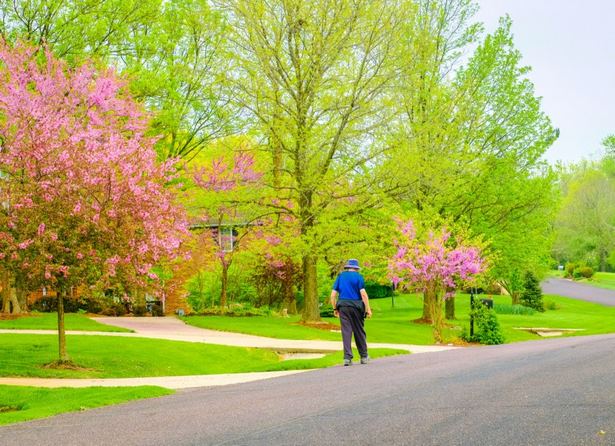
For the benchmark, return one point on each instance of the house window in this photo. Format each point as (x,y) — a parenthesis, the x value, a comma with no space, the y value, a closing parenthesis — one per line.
(226,238)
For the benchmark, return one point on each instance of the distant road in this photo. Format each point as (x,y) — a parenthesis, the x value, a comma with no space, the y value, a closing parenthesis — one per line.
(568,288)
(556,392)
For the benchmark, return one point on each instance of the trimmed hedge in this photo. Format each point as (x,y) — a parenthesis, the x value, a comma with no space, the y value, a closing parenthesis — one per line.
(378,291)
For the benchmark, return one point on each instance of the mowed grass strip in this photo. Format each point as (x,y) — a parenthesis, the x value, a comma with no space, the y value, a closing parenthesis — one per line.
(393,321)
(570,313)
(49,321)
(28,403)
(269,326)
(119,357)
(600,280)
(388,325)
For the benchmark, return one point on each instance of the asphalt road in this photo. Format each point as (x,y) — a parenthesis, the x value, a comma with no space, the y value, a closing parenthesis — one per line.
(553,392)
(568,288)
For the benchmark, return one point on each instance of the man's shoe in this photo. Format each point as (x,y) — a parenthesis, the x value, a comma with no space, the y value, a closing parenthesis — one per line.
(365,360)
(347,362)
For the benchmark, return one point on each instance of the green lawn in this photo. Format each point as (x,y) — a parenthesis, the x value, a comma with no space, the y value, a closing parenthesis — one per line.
(115,357)
(49,321)
(601,280)
(27,403)
(394,324)
(556,273)
(387,325)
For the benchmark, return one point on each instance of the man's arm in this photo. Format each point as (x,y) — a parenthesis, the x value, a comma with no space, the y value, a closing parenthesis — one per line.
(334,302)
(365,299)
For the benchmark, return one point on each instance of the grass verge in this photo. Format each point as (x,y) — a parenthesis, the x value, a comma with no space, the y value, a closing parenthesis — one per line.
(49,321)
(600,280)
(115,357)
(28,403)
(392,321)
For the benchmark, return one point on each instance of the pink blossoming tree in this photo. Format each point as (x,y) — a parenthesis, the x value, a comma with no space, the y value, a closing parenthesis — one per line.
(434,265)
(84,199)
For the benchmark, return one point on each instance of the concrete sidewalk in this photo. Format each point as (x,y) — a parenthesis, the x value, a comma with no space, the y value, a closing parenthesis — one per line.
(171,328)
(169,382)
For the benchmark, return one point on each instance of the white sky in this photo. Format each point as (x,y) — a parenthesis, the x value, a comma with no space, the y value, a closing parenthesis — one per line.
(570,45)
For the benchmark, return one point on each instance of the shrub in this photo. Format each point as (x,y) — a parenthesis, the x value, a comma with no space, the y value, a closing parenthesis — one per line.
(114,309)
(139,310)
(378,291)
(570,267)
(49,304)
(532,294)
(586,272)
(551,305)
(95,305)
(488,330)
(513,309)
(326,310)
(156,310)
(237,309)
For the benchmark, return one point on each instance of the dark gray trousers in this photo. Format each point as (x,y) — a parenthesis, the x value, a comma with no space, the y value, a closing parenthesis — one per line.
(351,320)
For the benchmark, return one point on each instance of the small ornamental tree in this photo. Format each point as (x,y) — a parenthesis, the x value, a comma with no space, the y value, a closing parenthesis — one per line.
(84,198)
(225,198)
(435,265)
(532,293)
(277,264)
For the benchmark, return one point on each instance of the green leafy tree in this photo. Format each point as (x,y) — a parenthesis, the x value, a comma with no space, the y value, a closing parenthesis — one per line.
(586,219)
(315,77)
(172,52)
(471,137)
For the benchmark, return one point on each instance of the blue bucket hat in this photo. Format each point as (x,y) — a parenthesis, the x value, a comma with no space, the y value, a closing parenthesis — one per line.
(352,263)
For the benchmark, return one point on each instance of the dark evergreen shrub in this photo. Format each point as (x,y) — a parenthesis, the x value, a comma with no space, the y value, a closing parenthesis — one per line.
(532,293)
(139,310)
(48,304)
(157,310)
(487,329)
(377,291)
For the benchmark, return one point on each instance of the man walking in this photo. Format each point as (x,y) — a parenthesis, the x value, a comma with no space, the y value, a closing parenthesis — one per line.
(352,307)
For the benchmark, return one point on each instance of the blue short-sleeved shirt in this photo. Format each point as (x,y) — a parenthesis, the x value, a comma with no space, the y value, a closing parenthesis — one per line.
(349,285)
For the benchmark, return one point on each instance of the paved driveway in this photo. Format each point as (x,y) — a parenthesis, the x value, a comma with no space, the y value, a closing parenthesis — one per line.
(559,392)
(568,288)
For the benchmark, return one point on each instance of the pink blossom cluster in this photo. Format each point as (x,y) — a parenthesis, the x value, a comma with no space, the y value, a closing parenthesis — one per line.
(436,263)
(224,176)
(80,174)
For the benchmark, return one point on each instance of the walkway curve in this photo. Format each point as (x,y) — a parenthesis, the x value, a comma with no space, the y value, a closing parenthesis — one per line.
(171,328)
(580,291)
(168,382)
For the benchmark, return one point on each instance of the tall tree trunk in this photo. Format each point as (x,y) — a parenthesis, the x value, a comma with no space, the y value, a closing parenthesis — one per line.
(515,297)
(22,294)
(13,297)
(427,305)
(289,296)
(602,260)
(224,286)
(449,305)
(61,332)
(435,307)
(6,291)
(310,290)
